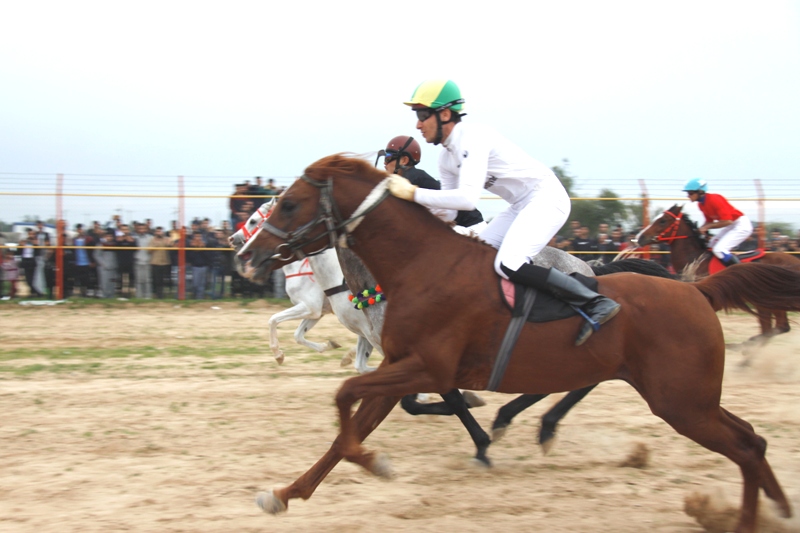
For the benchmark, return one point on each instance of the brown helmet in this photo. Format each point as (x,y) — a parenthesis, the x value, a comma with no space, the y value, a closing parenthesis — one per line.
(403,145)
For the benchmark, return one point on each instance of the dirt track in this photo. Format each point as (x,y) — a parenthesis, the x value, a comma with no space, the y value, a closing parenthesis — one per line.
(152,418)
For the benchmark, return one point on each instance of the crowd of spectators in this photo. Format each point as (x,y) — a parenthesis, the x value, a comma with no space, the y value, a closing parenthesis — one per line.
(126,260)
(783,243)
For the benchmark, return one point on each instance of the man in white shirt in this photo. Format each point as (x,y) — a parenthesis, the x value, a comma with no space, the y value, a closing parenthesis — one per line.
(477,158)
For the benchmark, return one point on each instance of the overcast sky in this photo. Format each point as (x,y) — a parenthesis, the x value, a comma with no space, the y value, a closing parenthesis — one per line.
(626,90)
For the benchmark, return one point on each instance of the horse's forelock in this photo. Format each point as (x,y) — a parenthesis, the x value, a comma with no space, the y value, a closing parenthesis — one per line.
(342,164)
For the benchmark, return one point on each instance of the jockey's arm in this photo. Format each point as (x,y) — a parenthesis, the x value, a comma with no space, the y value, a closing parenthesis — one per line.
(447,215)
(462,181)
(715,225)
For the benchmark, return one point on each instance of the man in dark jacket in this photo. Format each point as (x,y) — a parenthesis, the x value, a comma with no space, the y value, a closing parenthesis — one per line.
(200,260)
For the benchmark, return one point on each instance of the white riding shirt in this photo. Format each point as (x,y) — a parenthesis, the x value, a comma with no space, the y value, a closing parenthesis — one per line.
(475,158)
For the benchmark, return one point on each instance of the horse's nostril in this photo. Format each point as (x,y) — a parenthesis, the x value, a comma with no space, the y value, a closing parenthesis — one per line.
(245,257)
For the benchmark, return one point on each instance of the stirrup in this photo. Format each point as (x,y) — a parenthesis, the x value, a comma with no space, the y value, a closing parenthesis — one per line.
(732,260)
(592,322)
(591,325)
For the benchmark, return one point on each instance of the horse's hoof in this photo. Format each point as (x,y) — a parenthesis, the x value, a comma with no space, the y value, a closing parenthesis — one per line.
(547,445)
(482,461)
(382,466)
(279,358)
(472,399)
(784,509)
(332,344)
(346,360)
(269,503)
(498,433)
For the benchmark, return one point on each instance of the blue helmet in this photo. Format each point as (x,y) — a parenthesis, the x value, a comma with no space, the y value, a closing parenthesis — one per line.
(696,184)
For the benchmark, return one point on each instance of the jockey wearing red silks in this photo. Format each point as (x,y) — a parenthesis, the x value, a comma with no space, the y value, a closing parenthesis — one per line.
(719,213)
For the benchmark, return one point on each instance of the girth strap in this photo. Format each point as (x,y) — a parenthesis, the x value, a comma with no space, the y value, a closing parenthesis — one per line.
(510,339)
(336,290)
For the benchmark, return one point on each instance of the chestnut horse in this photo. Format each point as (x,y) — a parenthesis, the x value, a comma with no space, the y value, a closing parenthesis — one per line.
(666,341)
(688,247)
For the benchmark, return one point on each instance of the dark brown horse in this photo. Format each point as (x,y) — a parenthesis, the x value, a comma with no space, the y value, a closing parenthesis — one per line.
(666,341)
(688,247)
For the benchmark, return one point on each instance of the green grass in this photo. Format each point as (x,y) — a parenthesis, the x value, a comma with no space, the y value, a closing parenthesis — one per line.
(26,370)
(141,355)
(222,347)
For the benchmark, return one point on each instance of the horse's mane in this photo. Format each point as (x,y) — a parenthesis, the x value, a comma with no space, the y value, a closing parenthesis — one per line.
(344,164)
(639,266)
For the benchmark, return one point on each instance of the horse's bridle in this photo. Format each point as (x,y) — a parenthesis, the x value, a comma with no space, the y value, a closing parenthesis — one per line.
(672,229)
(264,215)
(328,215)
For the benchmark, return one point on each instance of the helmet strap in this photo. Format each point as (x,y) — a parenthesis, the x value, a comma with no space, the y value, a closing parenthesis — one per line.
(402,152)
(438,138)
(440,122)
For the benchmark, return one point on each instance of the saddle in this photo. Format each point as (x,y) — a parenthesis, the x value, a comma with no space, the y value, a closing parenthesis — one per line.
(528,304)
(546,307)
(715,265)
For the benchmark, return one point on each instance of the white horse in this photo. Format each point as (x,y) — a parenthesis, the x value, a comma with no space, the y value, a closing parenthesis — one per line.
(310,305)
(316,286)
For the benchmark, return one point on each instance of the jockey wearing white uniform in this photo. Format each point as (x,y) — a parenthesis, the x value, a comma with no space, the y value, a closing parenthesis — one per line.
(477,158)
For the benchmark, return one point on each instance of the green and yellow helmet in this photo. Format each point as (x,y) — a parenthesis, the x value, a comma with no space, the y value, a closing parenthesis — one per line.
(437,95)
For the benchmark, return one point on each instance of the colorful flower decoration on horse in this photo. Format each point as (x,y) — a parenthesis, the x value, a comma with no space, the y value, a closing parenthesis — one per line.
(367,297)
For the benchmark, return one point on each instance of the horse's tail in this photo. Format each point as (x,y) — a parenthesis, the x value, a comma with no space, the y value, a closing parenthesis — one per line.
(740,286)
(639,266)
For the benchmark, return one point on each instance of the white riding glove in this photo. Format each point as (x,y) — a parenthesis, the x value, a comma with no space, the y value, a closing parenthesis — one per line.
(401,187)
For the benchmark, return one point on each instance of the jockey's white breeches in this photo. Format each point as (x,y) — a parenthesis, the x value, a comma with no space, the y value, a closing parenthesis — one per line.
(730,237)
(525,227)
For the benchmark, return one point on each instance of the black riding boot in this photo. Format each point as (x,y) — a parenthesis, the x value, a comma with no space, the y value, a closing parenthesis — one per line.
(596,308)
(733,259)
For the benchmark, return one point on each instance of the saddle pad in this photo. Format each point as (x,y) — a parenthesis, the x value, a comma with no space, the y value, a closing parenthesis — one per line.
(715,265)
(546,307)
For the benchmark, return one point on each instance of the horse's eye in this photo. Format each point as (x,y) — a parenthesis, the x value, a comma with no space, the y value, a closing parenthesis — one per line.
(662,221)
(287,208)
